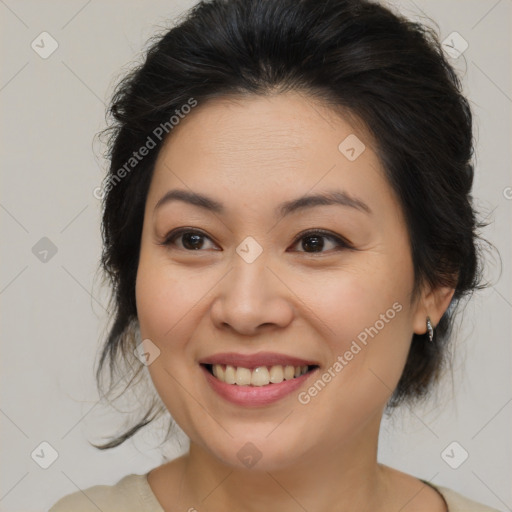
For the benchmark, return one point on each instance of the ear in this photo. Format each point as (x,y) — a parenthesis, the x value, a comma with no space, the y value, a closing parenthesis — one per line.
(433,303)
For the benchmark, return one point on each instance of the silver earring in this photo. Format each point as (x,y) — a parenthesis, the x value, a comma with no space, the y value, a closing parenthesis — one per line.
(430,329)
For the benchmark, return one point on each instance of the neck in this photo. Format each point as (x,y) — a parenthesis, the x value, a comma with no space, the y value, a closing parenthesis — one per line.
(346,477)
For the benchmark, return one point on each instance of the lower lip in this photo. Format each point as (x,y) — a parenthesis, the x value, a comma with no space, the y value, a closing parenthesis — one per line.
(255,395)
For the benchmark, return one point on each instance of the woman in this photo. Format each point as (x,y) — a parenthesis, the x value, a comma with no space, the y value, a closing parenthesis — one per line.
(288,229)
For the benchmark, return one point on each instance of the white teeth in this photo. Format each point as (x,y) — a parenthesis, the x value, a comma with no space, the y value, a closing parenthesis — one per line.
(289,372)
(276,374)
(260,376)
(243,376)
(218,371)
(229,374)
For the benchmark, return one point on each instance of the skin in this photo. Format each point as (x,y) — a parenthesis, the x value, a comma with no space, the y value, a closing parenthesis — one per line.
(252,154)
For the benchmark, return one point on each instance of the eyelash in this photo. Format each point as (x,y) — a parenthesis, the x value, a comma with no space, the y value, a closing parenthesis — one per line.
(340,242)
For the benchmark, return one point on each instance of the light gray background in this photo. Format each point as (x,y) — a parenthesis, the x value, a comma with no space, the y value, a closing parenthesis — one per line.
(53,316)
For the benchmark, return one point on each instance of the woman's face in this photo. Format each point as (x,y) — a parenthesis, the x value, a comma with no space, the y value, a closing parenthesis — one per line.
(239,280)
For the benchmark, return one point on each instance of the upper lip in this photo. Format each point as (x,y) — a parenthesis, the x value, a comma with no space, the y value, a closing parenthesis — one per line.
(254,360)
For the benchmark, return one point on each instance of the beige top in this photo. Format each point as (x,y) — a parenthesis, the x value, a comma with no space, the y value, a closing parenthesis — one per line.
(133,494)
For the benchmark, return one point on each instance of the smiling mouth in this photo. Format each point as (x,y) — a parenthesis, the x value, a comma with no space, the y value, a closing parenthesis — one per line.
(260,376)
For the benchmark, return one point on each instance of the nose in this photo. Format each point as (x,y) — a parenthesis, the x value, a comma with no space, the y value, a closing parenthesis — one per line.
(252,299)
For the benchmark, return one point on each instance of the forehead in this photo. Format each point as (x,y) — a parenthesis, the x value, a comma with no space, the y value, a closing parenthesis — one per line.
(266,147)
(289,127)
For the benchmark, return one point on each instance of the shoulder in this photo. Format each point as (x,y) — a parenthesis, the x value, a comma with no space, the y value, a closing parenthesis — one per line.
(458,503)
(130,494)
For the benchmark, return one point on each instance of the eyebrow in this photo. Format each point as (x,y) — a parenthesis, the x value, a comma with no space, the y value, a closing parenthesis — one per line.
(334,197)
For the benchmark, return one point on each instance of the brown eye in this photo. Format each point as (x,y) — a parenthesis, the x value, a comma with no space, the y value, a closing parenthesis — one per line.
(191,240)
(311,242)
(314,241)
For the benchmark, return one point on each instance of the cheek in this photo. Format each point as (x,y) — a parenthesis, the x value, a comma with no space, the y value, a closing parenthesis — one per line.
(163,304)
(164,298)
(156,304)
(368,340)
(348,301)
(364,317)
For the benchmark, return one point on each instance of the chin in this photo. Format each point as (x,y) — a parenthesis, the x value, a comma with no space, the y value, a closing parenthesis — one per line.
(257,451)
